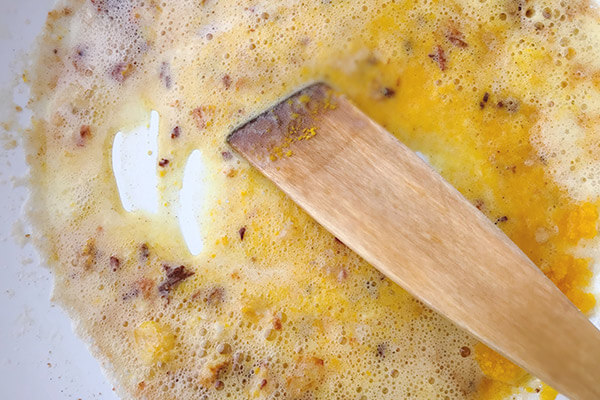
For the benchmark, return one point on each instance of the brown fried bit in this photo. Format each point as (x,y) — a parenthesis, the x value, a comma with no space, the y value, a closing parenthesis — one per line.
(121,71)
(163,162)
(175,132)
(115,263)
(465,351)
(439,57)
(484,100)
(173,277)
(165,74)
(388,92)
(144,252)
(456,38)
(242,232)
(226,155)
(503,218)
(226,81)
(85,133)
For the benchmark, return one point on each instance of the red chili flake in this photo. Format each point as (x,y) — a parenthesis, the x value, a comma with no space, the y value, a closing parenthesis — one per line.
(242,232)
(84,134)
(439,57)
(115,263)
(163,162)
(226,81)
(173,277)
(226,155)
(456,38)
(263,383)
(175,132)
(165,74)
(465,351)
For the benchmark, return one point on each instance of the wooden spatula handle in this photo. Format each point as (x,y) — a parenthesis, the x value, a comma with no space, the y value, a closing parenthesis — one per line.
(390,207)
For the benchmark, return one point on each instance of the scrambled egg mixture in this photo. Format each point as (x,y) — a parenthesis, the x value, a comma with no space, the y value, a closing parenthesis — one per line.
(502,97)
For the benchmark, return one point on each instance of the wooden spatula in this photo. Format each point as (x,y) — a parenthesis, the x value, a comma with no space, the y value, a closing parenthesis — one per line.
(390,207)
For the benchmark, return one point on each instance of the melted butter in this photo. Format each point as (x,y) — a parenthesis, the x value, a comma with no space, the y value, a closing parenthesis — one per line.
(500,96)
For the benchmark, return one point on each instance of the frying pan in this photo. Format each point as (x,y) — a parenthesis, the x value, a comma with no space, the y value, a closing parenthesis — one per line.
(40,355)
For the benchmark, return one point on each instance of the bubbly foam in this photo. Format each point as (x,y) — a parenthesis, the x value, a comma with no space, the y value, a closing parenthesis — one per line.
(272,306)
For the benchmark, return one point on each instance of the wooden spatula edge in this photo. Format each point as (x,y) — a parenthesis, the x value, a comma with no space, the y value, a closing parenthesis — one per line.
(390,207)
